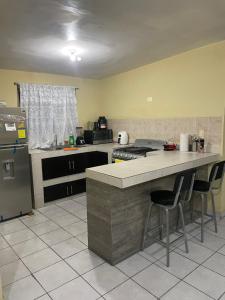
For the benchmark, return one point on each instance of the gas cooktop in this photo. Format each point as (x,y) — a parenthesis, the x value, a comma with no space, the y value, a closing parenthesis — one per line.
(139,149)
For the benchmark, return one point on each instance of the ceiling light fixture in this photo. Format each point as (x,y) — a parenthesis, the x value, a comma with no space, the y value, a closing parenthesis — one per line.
(74,57)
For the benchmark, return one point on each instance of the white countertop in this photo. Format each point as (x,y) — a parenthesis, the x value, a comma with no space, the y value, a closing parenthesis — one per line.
(158,164)
(87,148)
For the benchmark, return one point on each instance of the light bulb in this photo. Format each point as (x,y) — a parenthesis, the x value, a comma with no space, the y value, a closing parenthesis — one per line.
(79,58)
(72,56)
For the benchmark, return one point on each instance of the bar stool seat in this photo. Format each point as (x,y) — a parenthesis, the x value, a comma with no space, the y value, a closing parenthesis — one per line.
(163,197)
(201,186)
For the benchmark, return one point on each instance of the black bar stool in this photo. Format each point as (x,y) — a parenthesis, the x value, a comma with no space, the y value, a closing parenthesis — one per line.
(168,200)
(212,186)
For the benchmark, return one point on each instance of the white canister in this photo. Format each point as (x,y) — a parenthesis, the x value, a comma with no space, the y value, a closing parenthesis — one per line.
(184,142)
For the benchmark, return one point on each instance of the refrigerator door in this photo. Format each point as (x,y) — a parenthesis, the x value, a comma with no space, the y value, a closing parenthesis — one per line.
(15,182)
(12,126)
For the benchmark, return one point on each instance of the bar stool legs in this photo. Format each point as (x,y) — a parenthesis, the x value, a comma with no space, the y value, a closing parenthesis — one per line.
(183,227)
(214,210)
(202,216)
(167,238)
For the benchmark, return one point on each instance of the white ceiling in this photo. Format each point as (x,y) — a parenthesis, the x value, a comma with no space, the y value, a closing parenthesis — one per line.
(113,35)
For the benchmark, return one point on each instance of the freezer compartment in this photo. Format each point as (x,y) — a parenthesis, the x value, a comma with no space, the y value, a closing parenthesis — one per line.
(15,181)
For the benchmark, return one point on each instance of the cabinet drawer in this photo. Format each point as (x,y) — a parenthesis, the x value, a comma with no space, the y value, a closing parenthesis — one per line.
(63,190)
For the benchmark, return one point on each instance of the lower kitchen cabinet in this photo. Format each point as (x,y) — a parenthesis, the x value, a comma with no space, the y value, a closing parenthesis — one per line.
(63,190)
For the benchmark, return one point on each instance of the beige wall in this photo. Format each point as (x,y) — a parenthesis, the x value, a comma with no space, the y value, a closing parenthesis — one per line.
(190,84)
(87,95)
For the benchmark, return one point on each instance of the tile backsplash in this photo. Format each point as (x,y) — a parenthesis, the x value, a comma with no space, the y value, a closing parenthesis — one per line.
(170,129)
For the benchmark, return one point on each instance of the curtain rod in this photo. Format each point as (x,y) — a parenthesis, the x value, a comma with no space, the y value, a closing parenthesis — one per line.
(76,88)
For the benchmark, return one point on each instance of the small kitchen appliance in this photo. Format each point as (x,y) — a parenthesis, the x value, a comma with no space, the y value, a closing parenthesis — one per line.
(102,122)
(122,138)
(80,138)
(140,148)
(95,137)
(15,181)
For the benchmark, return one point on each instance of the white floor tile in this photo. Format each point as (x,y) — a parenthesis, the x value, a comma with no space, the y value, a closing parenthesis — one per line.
(129,290)
(180,266)
(55,276)
(84,261)
(183,291)
(70,205)
(13,272)
(104,278)
(19,236)
(196,253)
(29,247)
(23,289)
(11,226)
(65,220)
(34,220)
(45,227)
(54,237)
(216,263)
(155,251)
(52,210)
(156,280)
(45,297)
(207,281)
(223,297)
(40,260)
(133,265)
(222,250)
(82,200)
(78,287)
(7,256)
(68,247)
(82,214)
(221,230)
(211,241)
(76,228)
(3,243)
(83,237)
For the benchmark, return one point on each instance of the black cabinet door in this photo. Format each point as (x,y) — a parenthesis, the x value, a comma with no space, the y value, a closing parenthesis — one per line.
(54,167)
(55,192)
(64,165)
(78,163)
(97,158)
(78,186)
(63,190)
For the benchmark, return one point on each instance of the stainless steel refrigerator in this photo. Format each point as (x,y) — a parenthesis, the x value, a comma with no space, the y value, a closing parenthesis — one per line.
(15,181)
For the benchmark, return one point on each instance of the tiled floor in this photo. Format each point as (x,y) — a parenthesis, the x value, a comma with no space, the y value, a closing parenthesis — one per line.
(45,256)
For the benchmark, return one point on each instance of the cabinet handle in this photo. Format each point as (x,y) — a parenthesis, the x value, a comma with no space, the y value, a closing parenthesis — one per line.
(71,189)
(69,165)
(73,165)
(67,190)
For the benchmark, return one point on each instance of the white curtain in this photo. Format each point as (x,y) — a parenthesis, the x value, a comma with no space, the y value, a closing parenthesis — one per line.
(51,110)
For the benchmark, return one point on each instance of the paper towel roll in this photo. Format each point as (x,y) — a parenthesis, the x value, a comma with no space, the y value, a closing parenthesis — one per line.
(184,142)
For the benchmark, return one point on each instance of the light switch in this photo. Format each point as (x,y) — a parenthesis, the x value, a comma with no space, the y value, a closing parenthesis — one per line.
(149,99)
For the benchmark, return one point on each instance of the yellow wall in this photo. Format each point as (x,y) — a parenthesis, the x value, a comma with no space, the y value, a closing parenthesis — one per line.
(189,84)
(88,94)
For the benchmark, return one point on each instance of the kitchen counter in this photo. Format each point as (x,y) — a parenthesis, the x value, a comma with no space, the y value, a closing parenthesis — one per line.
(87,148)
(37,156)
(158,164)
(118,197)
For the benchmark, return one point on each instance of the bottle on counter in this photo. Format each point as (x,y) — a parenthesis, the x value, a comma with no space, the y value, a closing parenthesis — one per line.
(71,140)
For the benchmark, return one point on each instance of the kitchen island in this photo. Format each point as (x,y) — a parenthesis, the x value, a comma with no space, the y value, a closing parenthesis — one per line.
(118,194)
